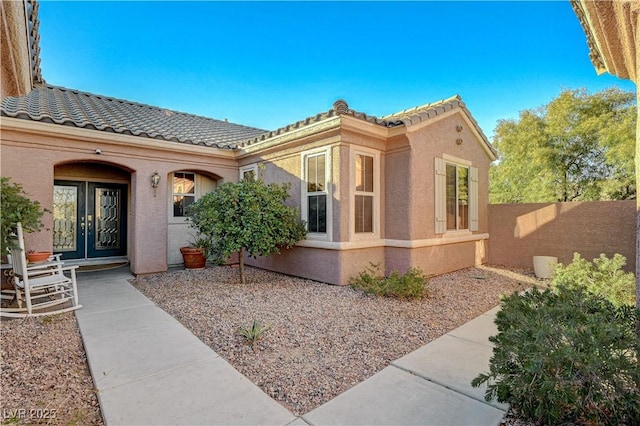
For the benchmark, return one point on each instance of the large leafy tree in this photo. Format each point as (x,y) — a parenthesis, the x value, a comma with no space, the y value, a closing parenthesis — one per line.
(247,217)
(579,147)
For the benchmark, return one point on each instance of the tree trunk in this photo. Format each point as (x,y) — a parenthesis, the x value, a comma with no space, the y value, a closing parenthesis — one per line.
(241,268)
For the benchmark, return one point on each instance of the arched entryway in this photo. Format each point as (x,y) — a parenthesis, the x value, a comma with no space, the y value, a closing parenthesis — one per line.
(90,211)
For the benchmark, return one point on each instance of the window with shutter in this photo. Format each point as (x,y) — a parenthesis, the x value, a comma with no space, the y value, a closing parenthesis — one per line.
(456,197)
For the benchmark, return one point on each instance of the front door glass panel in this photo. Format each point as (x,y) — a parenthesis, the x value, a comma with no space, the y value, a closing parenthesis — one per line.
(65,219)
(107,219)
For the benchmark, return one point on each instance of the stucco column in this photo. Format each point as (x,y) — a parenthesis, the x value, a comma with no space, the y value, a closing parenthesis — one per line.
(637,50)
(148,248)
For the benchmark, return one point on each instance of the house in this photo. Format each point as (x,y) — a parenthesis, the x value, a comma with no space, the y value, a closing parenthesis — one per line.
(408,189)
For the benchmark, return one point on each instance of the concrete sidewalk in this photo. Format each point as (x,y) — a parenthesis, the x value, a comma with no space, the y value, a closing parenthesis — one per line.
(150,370)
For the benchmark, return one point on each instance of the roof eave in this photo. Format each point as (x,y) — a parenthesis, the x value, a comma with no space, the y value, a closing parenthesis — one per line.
(610,30)
(80,133)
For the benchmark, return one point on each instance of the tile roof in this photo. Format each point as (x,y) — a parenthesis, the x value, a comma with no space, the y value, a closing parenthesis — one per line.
(52,104)
(33,23)
(406,117)
(340,107)
(424,112)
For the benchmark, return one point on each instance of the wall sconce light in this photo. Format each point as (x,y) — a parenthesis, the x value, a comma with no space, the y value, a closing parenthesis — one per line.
(155,180)
(458,141)
(458,128)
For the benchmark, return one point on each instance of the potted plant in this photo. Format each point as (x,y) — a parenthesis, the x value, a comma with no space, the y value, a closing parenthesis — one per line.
(37,256)
(195,254)
(17,207)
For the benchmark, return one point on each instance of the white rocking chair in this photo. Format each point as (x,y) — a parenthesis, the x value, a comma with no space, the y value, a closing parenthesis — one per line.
(42,287)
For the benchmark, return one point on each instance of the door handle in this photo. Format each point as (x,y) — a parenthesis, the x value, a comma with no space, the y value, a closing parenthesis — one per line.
(89,222)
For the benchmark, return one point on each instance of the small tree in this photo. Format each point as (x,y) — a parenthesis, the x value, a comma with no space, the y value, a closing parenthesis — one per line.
(16,207)
(249,216)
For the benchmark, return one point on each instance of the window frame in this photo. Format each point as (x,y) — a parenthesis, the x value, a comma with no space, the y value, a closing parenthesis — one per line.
(457,168)
(182,194)
(250,168)
(304,193)
(440,206)
(375,233)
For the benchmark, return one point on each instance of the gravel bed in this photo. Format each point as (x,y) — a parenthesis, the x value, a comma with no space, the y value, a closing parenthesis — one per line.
(322,339)
(44,378)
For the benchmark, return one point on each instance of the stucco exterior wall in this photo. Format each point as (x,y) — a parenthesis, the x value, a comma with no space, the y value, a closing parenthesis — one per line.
(328,266)
(398,183)
(435,140)
(437,259)
(521,231)
(30,156)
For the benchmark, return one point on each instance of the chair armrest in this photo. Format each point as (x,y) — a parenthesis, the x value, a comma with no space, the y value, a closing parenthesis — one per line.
(43,266)
(69,268)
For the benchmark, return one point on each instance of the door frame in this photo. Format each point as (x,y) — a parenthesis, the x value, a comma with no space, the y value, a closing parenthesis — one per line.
(85,229)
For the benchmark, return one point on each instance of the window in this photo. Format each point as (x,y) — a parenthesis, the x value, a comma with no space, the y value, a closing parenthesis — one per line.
(457,197)
(456,204)
(364,194)
(249,172)
(184,192)
(315,166)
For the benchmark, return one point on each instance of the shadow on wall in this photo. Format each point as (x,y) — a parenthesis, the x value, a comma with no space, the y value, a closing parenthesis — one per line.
(520,231)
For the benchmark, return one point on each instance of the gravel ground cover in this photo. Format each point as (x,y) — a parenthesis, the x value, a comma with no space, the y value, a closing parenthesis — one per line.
(322,339)
(44,378)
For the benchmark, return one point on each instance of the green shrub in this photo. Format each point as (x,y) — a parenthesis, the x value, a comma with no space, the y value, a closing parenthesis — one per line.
(253,332)
(603,277)
(16,206)
(411,285)
(566,357)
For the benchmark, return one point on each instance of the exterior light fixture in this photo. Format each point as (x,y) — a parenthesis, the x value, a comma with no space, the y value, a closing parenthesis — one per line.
(155,180)
(458,141)
(458,128)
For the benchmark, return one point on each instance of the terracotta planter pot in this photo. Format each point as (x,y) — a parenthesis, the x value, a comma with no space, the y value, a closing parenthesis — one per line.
(38,256)
(193,257)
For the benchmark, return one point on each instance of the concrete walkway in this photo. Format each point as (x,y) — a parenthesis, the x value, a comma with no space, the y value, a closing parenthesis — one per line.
(150,370)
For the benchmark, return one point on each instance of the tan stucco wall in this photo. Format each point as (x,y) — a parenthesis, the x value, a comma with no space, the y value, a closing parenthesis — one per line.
(437,260)
(328,266)
(435,140)
(399,185)
(30,155)
(521,231)
(15,66)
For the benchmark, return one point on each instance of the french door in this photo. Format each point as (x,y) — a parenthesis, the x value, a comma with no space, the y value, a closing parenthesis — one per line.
(89,219)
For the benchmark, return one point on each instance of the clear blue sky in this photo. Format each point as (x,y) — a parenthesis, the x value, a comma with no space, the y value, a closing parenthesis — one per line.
(268,64)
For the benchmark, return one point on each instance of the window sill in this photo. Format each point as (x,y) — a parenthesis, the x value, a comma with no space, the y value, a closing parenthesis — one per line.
(457,234)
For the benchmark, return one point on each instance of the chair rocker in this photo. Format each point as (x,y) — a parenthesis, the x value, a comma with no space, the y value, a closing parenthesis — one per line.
(44,288)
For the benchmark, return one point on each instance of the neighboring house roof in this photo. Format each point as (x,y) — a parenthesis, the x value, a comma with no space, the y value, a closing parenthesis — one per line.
(52,104)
